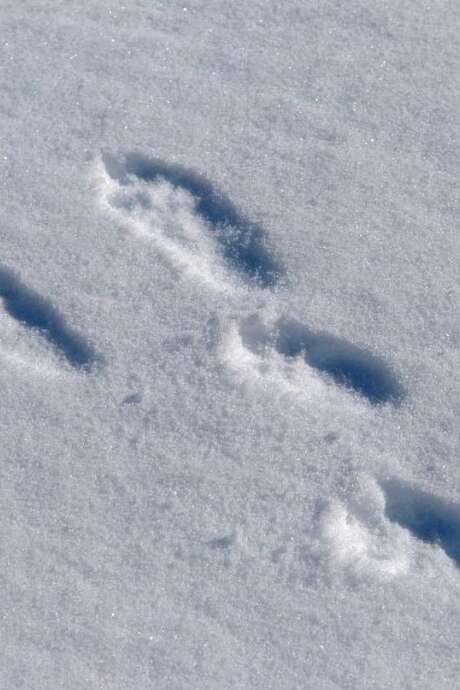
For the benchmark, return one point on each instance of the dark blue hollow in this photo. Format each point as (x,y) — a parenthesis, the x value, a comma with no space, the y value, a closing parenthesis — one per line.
(242,241)
(431,519)
(36,312)
(347,364)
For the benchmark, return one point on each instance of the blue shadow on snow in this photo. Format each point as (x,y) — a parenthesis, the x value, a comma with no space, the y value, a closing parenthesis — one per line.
(242,241)
(348,365)
(431,519)
(37,313)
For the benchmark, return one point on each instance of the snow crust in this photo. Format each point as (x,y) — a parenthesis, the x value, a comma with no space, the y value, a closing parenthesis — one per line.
(229,345)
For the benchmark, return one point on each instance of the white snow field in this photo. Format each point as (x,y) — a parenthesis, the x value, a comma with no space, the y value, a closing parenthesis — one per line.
(230,345)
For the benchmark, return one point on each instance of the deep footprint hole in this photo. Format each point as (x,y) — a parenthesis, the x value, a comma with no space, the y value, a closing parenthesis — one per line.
(241,241)
(431,519)
(37,313)
(346,364)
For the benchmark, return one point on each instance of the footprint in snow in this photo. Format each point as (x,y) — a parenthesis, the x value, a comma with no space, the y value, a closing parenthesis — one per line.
(279,348)
(203,232)
(365,536)
(356,536)
(188,218)
(429,518)
(23,309)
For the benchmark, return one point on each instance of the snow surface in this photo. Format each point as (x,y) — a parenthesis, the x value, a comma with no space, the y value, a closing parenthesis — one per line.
(229,339)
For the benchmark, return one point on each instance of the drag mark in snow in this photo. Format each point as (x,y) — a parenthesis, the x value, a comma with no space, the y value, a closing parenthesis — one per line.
(347,365)
(431,519)
(37,313)
(187,215)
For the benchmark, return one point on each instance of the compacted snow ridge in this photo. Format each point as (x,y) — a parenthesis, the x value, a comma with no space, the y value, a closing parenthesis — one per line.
(229,340)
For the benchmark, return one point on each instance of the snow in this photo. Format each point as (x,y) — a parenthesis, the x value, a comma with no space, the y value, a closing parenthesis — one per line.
(230,345)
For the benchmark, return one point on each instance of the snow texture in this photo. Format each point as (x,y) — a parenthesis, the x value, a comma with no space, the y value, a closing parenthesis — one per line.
(229,345)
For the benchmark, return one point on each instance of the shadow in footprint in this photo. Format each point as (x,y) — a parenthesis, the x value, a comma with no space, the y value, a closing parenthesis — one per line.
(37,313)
(242,241)
(347,364)
(431,519)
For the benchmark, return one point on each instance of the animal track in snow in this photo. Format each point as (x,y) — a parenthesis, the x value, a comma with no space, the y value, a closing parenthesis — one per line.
(285,343)
(194,223)
(431,519)
(38,314)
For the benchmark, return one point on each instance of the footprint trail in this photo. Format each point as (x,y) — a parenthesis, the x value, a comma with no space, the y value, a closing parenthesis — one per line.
(202,232)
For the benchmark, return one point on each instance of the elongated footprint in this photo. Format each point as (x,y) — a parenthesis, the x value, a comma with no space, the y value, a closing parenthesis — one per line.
(187,217)
(281,350)
(37,315)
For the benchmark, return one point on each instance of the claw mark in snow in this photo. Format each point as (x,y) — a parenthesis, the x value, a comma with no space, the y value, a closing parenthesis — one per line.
(188,217)
(37,313)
